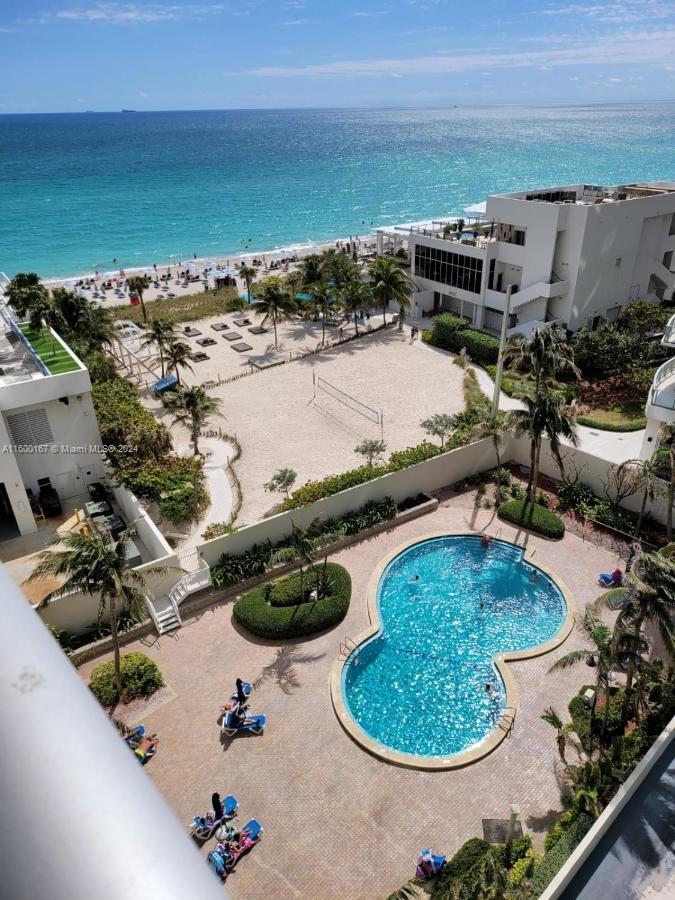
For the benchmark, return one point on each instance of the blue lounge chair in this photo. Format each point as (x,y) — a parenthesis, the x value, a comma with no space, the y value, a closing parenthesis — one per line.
(254,829)
(135,735)
(232,724)
(429,864)
(203,828)
(609,580)
(219,861)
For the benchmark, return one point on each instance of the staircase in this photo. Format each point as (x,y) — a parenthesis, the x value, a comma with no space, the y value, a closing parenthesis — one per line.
(164,611)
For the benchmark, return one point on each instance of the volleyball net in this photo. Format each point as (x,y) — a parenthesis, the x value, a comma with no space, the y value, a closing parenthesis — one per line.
(357,406)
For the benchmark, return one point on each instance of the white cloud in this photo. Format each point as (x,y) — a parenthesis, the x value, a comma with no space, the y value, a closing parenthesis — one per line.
(297,23)
(621,12)
(645,47)
(132,13)
(362,14)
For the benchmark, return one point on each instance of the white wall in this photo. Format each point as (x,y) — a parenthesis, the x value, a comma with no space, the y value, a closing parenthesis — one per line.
(73,426)
(13,481)
(135,514)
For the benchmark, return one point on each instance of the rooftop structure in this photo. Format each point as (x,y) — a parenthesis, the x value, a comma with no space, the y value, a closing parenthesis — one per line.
(49,437)
(573,255)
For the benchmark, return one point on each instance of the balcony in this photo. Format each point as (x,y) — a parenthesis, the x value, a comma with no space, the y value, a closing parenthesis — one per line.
(661,401)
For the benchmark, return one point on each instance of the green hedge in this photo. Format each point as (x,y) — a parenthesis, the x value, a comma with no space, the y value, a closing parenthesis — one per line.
(533,517)
(456,868)
(554,859)
(636,425)
(450,332)
(254,613)
(140,678)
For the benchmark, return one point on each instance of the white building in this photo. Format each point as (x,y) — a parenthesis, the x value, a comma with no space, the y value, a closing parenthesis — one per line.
(574,254)
(48,430)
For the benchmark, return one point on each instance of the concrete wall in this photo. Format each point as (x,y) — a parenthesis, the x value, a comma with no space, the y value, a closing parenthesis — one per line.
(424,477)
(135,513)
(13,481)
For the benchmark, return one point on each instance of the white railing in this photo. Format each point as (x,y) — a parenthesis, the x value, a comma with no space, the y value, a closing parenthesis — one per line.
(668,339)
(665,372)
(195,581)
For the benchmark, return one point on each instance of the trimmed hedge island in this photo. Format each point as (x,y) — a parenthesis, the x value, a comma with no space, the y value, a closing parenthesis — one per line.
(140,678)
(284,608)
(533,517)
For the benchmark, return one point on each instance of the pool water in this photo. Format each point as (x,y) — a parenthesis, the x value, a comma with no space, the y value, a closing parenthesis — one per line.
(419,685)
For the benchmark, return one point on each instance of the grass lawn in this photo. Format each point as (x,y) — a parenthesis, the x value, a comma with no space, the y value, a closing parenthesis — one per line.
(618,414)
(188,308)
(52,354)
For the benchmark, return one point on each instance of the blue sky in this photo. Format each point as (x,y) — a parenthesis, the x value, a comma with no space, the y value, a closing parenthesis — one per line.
(74,55)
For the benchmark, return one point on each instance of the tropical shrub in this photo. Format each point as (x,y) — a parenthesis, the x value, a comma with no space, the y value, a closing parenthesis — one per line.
(315,490)
(232,569)
(101,366)
(217,529)
(401,459)
(570,496)
(256,614)
(533,517)
(523,867)
(140,678)
(128,429)
(446,325)
(482,347)
(456,868)
(177,483)
(553,860)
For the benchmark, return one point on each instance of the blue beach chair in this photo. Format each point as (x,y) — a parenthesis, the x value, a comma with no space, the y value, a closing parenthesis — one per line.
(232,724)
(203,827)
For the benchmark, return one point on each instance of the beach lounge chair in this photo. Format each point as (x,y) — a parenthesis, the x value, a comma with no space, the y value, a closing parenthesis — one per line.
(200,357)
(258,329)
(240,323)
(232,700)
(219,326)
(204,826)
(232,336)
(192,332)
(253,724)
(429,864)
(206,342)
(242,347)
(615,579)
(251,834)
(219,862)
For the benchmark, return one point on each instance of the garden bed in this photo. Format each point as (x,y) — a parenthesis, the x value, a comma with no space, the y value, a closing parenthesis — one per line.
(291,607)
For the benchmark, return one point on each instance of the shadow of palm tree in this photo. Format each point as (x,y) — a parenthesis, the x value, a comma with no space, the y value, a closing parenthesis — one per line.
(282,667)
(543,822)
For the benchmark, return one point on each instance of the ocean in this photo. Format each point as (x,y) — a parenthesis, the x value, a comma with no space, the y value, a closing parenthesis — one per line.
(78,191)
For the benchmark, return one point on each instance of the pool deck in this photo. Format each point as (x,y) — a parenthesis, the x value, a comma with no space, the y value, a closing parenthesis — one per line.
(340,823)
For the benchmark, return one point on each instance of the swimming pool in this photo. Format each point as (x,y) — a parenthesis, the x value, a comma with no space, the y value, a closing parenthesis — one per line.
(446,607)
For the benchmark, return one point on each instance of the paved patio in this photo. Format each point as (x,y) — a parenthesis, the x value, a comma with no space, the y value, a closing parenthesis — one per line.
(338,822)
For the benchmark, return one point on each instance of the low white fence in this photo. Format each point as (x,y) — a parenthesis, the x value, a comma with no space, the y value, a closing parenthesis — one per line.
(135,513)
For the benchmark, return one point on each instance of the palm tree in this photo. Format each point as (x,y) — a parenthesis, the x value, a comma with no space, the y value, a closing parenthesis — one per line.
(95,563)
(355,296)
(44,311)
(158,333)
(311,269)
(545,355)
(321,296)
(178,356)
(25,291)
(667,435)
(137,284)
(192,407)
(494,427)
(543,413)
(650,597)
(248,273)
(564,732)
(651,483)
(338,267)
(274,303)
(601,654)
(389,283)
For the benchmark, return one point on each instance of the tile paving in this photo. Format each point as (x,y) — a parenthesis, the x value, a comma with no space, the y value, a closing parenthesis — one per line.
(340,823)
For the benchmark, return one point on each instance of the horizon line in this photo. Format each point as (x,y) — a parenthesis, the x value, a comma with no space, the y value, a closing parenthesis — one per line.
(129,111)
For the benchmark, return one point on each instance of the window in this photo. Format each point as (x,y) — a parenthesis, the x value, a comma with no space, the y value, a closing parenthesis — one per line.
(454,269)
(30,429)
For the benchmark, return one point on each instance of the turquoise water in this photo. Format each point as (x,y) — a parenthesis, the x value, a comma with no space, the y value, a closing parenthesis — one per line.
(419,686)
(77,191)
